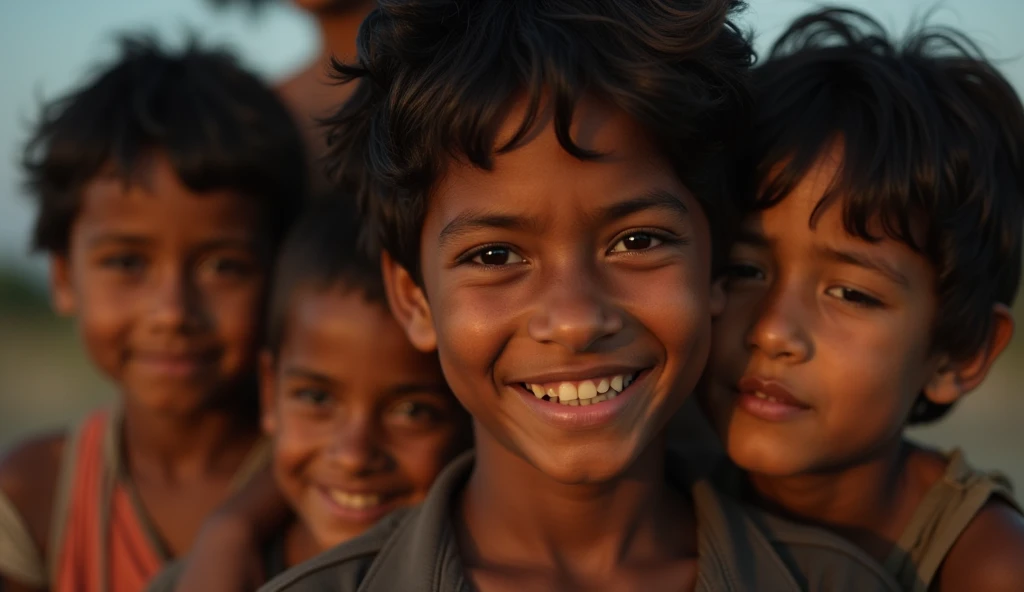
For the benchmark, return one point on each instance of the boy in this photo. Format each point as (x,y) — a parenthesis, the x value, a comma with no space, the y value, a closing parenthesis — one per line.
(361,422)
(870,289)
(548,179)
(164,185)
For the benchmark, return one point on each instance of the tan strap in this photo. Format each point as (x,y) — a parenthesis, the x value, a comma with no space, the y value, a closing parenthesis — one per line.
(20,560)
(254,462)
(941,517)
(62,497)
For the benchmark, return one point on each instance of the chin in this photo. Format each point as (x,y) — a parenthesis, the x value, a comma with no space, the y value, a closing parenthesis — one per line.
(583,464)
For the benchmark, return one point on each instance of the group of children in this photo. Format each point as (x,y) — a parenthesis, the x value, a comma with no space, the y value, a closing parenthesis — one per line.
(553,223)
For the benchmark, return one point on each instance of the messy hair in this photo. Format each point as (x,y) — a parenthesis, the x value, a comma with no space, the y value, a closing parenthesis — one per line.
(321,252)
(220,127)
(437,78)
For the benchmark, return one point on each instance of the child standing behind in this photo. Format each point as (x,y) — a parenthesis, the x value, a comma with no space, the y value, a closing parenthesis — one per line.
(870,289)
(360,421)
(164,186)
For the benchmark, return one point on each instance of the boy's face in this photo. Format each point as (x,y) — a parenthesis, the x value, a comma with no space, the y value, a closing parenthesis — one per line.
(167,286)
(586,282)
(824,344)
(362,421)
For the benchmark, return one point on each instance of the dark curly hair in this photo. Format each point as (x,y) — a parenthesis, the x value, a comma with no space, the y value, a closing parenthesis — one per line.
(436,78)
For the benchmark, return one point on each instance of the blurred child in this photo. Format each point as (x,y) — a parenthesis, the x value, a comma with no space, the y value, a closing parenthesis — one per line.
(361,422)
(309,92)
(549,181)
(870,290)
(164,186)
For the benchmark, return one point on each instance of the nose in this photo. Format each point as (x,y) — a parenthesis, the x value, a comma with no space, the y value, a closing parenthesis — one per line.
(175,302)
(574,312)
(356,447)
(780,328)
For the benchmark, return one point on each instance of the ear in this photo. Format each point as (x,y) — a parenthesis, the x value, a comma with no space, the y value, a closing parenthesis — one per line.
(955,379)
(718,296)
(268,392)
(409,304)
(62,292)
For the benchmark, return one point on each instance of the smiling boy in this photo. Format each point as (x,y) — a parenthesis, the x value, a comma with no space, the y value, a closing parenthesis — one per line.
(549,181)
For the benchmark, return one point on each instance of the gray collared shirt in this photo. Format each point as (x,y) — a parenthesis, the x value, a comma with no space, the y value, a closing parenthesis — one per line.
(740,549)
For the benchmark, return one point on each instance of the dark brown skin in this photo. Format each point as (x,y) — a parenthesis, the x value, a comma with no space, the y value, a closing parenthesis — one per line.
(538,281)
(166,287)
(811,308)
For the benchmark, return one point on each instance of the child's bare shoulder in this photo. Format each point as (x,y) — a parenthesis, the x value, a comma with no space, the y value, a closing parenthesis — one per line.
(989,555)
(28,478)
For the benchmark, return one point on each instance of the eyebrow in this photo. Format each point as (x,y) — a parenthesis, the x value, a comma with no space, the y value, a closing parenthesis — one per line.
(467,222)
(299,372)
(752,237)
(657,199)
(867,262)
(141,240)
(119,238)
(476,220)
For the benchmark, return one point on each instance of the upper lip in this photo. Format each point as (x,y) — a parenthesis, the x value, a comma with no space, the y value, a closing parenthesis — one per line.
(773,388)
(363,490)
(579,374)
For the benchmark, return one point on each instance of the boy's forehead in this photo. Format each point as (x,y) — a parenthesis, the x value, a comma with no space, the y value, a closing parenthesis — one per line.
(157,201)
(597,126)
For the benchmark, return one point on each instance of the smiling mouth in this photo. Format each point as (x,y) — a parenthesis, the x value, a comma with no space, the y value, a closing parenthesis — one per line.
(582,393)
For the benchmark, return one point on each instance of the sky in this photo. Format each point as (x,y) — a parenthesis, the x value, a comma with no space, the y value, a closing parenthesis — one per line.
(49,46)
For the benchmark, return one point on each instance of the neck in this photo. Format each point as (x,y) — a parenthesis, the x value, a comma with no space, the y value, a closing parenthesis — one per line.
(183,446)
(869,503)
(300,544)
(590,528)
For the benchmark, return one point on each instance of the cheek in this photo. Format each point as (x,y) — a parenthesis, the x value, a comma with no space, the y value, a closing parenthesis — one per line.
(237,319)
(674,305)
(473,325)
(877,367)
(421,459)
(295,447)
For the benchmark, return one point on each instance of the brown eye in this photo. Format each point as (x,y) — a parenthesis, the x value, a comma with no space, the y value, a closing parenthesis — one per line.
(496,256)
(637,241)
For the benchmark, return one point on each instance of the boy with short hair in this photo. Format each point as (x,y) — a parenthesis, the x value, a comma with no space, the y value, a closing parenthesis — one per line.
(870,289)
(549,181)
(360,422)
(164,185)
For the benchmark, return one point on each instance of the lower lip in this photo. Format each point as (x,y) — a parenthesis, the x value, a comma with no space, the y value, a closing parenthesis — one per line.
(582,417)
(768,409)
(171,367)
(364,515)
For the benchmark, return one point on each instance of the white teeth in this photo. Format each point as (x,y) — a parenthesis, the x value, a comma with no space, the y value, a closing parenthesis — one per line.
(355,501)
(574,403)
(761,395)
(567,392)
(591,391)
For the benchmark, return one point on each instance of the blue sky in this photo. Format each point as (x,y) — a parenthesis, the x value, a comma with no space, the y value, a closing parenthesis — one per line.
(46,46)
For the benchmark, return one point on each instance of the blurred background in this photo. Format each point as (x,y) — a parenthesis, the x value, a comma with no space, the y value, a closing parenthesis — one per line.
(48,46)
